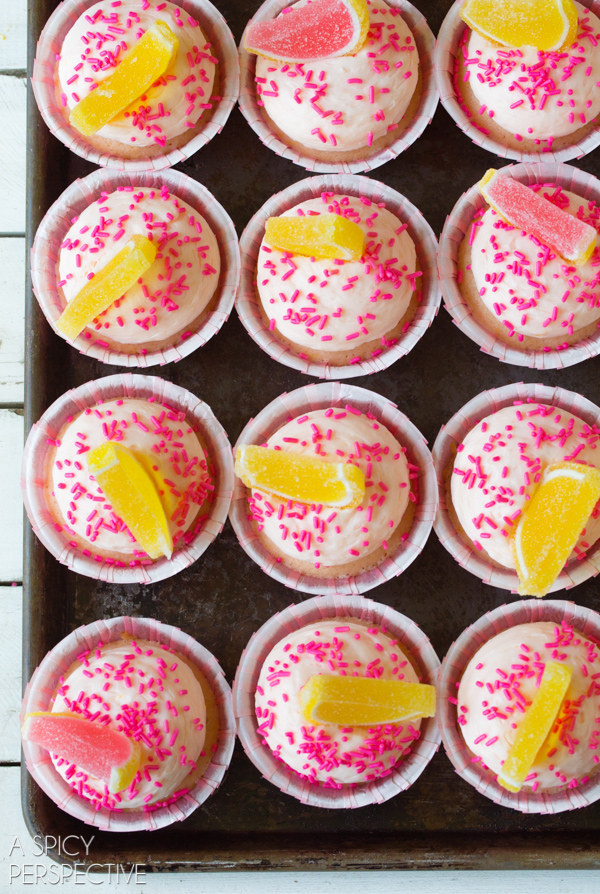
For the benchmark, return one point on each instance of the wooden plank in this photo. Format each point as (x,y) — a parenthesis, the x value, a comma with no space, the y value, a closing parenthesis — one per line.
(12,280)
(13,35)
(11,517)
(12,154)
(11,599)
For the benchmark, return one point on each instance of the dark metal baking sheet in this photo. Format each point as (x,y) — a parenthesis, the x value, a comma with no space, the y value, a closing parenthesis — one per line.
(441,822)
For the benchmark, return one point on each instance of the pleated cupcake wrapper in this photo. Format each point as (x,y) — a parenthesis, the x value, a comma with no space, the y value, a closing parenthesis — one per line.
(458,225)
(248,303)
(44,683)
(84,192)
(413,642)
(454,664)
(446,50)
(453,433)
(320,396)
(217,33)
(261,125)
(125,385)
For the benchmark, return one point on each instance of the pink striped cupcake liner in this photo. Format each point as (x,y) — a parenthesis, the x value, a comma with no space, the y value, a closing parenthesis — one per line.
(125,385)
(320,396)
(82,193)
(39,695)
(414,644)
(444,449)
(445,56)
(260,124)
(460,653)
(51,39)
(458,225)
(248,304)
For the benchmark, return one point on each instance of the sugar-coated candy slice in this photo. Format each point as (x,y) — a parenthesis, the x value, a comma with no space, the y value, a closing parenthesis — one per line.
(133,496)
(552,522)
(321,29)
(93,747)
(316,236)
(545,24)
(109,284)
(304,479)
(518,204)
(364,701)
(138,69)
(536,725)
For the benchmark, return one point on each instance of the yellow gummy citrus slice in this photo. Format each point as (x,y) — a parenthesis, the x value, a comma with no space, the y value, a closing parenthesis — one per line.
(138,69)
(553,520)
(536,725)
(133,497)
(364,701)
(106,286)
(545,24)
(317,236)
(305,479)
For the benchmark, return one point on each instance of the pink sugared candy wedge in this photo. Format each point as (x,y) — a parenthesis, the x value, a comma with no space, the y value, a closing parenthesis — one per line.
(105,753)
(322,29)
(518,204)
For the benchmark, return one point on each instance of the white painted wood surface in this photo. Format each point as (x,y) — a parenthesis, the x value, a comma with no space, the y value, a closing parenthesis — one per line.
(20,859)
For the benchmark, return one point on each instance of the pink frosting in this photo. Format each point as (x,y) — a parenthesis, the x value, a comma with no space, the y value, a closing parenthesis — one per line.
(500,682)
(151,695)
(333,305)
(500,462)
(328,753)
(177,287)
(174,104)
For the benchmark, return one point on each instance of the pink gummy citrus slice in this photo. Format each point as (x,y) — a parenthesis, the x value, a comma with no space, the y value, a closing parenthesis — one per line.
(364,701)
(304,479)
(545,24)
(317,236)
(321,29)
(96,749)
(518,204)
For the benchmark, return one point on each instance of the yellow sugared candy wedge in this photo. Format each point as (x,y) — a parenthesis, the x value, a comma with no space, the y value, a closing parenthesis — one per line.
(364,701)
(536,725)
(133,497)
(305,479)
(107,286)
(545,24)
(317,236)
(553,520)
(138,69)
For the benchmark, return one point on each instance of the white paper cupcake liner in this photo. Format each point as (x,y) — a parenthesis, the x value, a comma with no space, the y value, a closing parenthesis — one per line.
(49,45)
(446,48)
(413,642)
(260,124)
(460,653)
(248,303)
(84,192)
(335,394)
(43,685)
(458,225)
(444,449)
(71,403)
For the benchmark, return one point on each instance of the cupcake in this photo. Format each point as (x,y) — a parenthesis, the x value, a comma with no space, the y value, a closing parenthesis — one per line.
(178,303)
(156,687)
(185,460)
(508,289)
(336,318)
(489,459)
(188,102)
(345,113)
(326,764)
(489,680)
(522,102)
(321,547)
